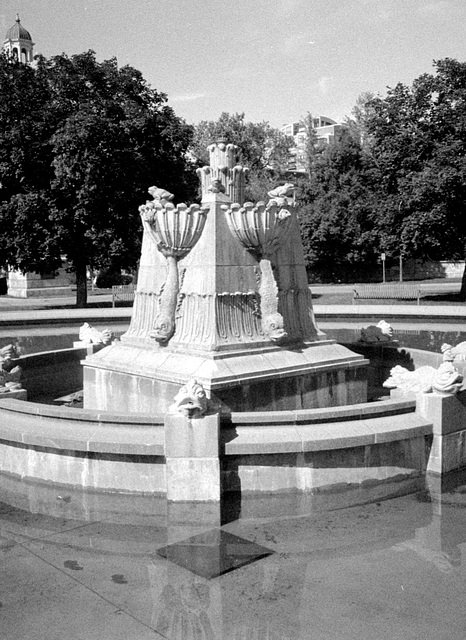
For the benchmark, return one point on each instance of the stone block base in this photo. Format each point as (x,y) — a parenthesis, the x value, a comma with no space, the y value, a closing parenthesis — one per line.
(131,379)
(193,479)
(448,416)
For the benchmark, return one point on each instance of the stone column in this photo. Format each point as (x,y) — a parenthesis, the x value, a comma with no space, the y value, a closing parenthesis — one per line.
(192,458)
(448,416)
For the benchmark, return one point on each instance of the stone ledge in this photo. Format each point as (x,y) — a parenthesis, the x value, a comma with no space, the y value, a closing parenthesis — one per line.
(80,415)
(318,437)
(62,429)
(323,415)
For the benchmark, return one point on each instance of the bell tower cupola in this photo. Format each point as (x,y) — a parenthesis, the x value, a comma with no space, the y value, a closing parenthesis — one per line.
(18,43)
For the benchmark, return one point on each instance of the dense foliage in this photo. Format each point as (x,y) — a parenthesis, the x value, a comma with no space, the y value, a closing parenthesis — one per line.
(396,182)
(419,147)
(336,213)
(80,143)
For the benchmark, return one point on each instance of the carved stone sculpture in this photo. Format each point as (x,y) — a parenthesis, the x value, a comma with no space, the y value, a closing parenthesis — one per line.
(175,230)
(191,400)
(90,335)
(416,381)
(7,353)
(380,332)
(162,195)
(261,228)
(445,380)
(9,374)
(216,187)
(223,175)
(451,353)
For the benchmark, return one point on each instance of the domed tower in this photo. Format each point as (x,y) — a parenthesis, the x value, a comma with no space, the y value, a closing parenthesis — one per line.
(18,42)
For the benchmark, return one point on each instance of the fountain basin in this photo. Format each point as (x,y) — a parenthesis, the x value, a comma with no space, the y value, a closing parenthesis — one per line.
(281,452)
(300,451)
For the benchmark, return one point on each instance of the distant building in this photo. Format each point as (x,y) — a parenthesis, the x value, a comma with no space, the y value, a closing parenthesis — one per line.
(327,132)
(18,43)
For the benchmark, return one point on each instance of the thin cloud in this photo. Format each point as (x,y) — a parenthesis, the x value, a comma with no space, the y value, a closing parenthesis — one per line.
(440,7)
(188,97)
(325,84)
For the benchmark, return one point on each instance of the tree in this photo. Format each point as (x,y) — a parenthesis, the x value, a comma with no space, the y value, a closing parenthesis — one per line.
(419,145)
(263,149)
(100,137)
(357,125)
(337,215)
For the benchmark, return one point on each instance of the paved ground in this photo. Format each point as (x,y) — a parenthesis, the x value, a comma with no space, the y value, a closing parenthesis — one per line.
(99,303)
(81,567)
(85,567)
(18,311)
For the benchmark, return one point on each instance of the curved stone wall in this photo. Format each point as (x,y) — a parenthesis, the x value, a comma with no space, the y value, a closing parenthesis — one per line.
(298,451)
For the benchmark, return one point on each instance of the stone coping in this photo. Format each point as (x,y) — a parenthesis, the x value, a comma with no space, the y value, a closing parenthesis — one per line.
(85,415)
(390,311)
(323,437)
(68,431)
(327,414)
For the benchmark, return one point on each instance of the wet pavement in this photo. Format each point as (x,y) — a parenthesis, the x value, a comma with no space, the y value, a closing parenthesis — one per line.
(83,566)
(88,566)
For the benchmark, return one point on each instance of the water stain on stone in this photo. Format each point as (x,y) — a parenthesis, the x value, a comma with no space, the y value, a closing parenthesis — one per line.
(119,578)
(73,565)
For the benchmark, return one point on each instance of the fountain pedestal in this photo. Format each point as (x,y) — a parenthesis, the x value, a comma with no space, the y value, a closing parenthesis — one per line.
(219,328)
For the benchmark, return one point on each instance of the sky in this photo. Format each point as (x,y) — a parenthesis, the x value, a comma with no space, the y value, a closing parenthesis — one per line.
(274,60)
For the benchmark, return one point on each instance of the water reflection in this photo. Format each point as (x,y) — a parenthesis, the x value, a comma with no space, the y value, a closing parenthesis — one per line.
(427,336)
(423,336)
(89,565)
(35,339)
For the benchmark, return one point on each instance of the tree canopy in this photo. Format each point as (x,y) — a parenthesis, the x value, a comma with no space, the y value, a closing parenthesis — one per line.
(80,143)
(336,213)
(418,136)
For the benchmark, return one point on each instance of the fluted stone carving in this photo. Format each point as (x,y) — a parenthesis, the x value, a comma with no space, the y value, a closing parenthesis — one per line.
(260,229)
(223,175)
(174,230)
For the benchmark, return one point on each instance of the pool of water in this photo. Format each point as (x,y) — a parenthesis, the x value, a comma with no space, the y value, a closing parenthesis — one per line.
(426,335)
(35,339)
(85,566)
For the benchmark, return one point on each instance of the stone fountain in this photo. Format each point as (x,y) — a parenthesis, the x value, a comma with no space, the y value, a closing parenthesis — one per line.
(223,384)
(223,298)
